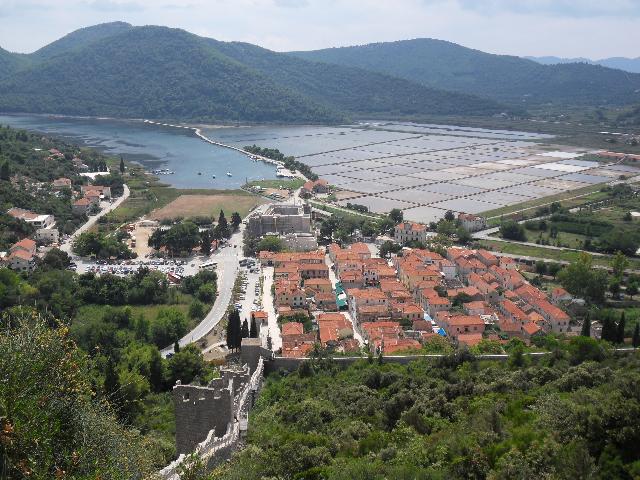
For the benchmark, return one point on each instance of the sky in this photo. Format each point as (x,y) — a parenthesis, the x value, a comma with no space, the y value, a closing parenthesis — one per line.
(566,28)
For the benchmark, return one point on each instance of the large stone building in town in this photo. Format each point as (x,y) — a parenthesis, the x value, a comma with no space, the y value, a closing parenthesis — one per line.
(281,219)
(406,232)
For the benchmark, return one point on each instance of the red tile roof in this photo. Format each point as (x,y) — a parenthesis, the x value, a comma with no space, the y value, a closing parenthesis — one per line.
(531,328)
(21,254)
(25,243)
(292,328)
(464,320)
(469,339)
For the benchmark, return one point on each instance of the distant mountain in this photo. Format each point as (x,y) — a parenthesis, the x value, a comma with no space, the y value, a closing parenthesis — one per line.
(158,72)
(630,117)
(550,60)
(445,65)
(352,89)
(631,65)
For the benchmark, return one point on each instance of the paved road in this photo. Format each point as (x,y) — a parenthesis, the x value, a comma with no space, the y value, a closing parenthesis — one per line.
(227,269)
(108,207)
(272,328)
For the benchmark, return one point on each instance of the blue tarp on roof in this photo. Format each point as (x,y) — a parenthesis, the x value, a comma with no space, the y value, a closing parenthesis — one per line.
(441,332)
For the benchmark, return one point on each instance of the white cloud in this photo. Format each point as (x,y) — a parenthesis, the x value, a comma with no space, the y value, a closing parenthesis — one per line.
(519,27)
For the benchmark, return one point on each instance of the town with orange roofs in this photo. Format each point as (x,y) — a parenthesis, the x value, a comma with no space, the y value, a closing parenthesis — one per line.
(349,300)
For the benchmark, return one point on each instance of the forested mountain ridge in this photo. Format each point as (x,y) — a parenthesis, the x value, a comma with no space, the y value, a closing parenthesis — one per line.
(366,92)
(159,72)
(153,72)
(81,38)
(10,62)
(441,64)
(631,65)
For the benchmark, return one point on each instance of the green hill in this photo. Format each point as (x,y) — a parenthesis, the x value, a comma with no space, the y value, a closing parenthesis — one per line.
(441,64)
(352,89)
(630,117)
(154,72)
(81,38)
(158,72)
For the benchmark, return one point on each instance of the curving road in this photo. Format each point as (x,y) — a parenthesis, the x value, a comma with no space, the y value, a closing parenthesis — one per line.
(227,270)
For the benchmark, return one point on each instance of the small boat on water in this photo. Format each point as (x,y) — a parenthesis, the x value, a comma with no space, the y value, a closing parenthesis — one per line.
(162,171)
(199,173)
(229,174)
(213,176)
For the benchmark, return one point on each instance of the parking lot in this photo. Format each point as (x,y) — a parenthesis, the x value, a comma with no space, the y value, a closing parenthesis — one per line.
(129,267)
(250,296)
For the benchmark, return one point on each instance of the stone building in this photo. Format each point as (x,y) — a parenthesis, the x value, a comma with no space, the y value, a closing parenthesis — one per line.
(202,409)
(281,219)
(216,407)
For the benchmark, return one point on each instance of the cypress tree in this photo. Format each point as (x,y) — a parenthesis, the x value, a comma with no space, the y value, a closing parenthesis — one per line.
(121,164)
(237,329)
(5,173)
(245,329)
(205,239)
(222,221)
(234,330)
(231,341)
(111,381)
(620,331)
(586,326)
(176,347)
(635,342)
(253,333)
(606,329)
(156,371)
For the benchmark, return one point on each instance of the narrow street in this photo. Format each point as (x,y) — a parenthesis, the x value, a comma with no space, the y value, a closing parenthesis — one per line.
(106,208)
(272,328)
(334,280)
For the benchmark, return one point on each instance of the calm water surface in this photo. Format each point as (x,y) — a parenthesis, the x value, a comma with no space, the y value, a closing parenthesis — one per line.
(154,147)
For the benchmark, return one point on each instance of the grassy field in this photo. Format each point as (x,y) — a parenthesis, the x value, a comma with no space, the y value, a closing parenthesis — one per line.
(550,254)
(570,240)
(149,312)
(207,205)
(149,194)
(292,184)
(181,302)
(569,199)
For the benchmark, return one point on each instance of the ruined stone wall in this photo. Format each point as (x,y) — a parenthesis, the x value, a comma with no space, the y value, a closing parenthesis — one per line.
(199,410)
(213,448)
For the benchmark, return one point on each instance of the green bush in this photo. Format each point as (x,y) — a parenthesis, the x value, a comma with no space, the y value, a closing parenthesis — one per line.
(49,420)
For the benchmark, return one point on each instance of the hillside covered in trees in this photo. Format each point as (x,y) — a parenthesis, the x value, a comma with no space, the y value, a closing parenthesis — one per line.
(571,415)
(158,72)
(441,64)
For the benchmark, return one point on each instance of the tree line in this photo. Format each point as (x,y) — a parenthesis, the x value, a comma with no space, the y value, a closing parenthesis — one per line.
(181,238)
(237,330)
